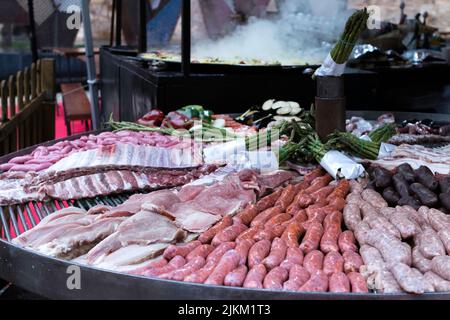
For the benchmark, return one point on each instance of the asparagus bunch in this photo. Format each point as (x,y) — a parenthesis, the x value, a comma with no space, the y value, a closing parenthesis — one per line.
(356,24)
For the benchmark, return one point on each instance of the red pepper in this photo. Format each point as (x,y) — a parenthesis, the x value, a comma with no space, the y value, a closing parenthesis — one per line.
(177,120)
(154,115)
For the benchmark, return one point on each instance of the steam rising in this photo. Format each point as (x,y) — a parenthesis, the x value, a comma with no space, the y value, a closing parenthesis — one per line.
(303,33)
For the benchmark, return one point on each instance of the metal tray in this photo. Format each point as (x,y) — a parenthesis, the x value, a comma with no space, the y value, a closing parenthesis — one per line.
(49,277)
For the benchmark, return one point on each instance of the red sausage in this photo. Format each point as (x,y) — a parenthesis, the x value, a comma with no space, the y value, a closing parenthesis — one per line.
(313,261)
(312,238)
(317,283)
(228,234)
(313,175)
(190,267)
(330,238)
(339,283)
(313,210)
(258,252)
(292,233)
(208,235)
(319,183)
(255,277)
(268,201)
(286,197)
(357,282)
(322,193)
(243,247)
(301,216)
(250,233)
(201,251)
(180,250)
(275,278)
(294,256)
(173,264)
(293,208)
(236,277)
(333,219)
(352,261)
(279,218)
(247,215)
(219,251)
(264,234)
(227,263)
(333,263)
(337,203)
(347,241)
(298,276)
(213,259)
(276,255)
(265,215)
(304,200)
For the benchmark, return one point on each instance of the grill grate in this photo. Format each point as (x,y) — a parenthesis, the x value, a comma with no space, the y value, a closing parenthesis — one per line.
(16,219)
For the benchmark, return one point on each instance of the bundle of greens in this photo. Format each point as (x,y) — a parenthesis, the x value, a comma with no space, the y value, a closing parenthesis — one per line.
(353,145)
(383,133)
(356,24)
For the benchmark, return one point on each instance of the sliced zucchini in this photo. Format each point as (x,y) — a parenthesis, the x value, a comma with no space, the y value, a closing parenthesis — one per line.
(284,110)
(279,104)
(268,105)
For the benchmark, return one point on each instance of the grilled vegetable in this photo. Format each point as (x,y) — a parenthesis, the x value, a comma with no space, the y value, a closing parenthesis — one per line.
(425,195)
(407,172)
(426,177)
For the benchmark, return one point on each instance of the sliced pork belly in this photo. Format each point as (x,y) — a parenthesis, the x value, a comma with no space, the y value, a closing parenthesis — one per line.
(54,225)
(144,228)
(78,237)
(132,254)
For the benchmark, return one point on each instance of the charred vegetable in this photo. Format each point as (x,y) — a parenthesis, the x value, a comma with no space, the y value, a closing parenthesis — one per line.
(426,177)
(425,195)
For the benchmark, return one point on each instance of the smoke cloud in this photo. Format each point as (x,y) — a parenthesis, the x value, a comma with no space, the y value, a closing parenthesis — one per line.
(303,33)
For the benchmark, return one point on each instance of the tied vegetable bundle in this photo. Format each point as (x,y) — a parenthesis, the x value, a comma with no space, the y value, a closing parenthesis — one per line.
(356,24)
(334,64)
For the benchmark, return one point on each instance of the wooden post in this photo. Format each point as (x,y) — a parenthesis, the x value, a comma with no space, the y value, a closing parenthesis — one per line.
(38,77)
(47,73)
(26,85)
(20,102)
(20,99)
(4,100)
(12,96)
(33,81)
